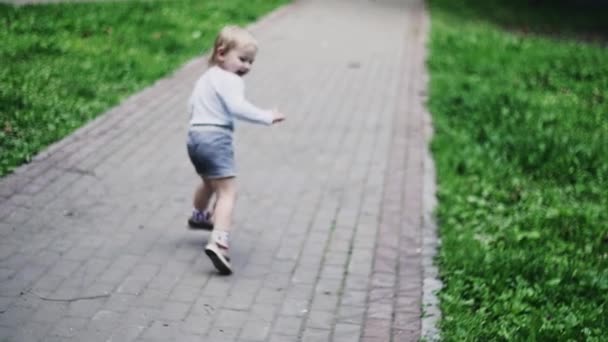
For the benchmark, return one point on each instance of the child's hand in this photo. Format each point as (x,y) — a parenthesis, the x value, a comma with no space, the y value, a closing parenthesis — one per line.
(277,116)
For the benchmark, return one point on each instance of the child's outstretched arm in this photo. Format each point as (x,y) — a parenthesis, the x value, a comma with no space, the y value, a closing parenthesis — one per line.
(232,93)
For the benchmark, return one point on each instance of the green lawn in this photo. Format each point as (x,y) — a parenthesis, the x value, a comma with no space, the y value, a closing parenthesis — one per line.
(521,114)
(63,64)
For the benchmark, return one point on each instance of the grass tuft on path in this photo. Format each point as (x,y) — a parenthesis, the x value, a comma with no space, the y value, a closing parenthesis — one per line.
(63,64)
(521,147)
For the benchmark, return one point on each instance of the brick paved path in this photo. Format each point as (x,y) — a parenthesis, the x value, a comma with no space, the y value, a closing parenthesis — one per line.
(327,247)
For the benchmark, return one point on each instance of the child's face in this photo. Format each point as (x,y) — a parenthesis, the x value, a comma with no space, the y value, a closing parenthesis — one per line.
(238,60)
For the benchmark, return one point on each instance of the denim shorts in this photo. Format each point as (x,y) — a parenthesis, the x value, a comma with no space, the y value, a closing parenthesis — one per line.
(211,151)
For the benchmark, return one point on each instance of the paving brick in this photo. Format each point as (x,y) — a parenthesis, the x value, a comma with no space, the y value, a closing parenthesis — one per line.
(264,312)
(320,319)
(196,324)
(15,215)
(378,328)
(119,302)
(6,333)
(141,316)
(48,258)
(133,285)
(316,335)
(332,272)
(277,281)
(231,318)
(150,298)
(287,325)
(247,286)
(412,334)
(306,274)
(68,327)
(106,321)
(64,268)
(50,312)
(175,311)
(5,303)
(300,291)
(88,334)
(79,253)
(354,298)
(30,331)
(255,331)
(84,308)
(6,228)
(239,300)
(292,307)
(186,294)
(346,332)
(222,334)
(207,305)
(325,302)
(351,315)
(15,316)
(337,259)
(282,338)
(124,332)
(216,288)
(270,296)
(160,331)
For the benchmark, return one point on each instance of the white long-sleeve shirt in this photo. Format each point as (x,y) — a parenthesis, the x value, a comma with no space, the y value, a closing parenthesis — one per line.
(218,99)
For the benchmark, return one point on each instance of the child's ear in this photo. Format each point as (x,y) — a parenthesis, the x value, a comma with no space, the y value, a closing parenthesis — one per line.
(221,51)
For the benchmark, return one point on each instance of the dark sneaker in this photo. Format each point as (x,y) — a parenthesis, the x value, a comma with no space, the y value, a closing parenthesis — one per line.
(218,253)
(200,220)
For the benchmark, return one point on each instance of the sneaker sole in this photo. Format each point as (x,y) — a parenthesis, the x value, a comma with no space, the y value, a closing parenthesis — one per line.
(198,226)
(218,260)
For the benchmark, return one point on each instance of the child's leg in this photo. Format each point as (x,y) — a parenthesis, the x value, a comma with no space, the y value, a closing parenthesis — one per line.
(201,217)
(217,247)
(225,190)
(202,195)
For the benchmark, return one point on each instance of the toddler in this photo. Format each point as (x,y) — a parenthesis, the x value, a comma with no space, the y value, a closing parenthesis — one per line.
(217,100)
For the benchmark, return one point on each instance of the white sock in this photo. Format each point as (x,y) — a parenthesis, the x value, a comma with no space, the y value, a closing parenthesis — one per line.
(220,237)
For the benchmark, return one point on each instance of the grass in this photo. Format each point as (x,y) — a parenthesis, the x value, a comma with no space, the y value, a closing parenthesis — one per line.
(521,146)
(63,64)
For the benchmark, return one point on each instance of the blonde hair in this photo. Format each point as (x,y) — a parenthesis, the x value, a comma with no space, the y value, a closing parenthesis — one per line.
(228,38)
